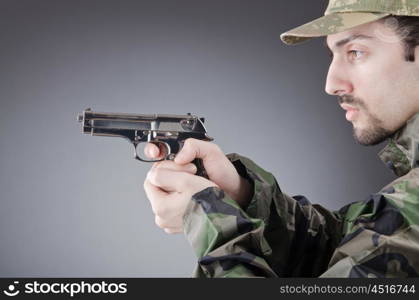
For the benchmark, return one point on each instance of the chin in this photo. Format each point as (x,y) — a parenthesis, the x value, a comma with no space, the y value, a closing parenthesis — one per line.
(371,136)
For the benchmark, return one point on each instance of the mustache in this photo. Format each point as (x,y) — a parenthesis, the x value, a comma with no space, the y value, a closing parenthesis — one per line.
(347,99)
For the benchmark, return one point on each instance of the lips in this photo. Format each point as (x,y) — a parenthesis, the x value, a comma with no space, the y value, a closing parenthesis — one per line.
(351,111)
(348,107)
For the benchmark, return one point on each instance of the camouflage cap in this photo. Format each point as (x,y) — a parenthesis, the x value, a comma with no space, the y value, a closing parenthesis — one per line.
(342,15)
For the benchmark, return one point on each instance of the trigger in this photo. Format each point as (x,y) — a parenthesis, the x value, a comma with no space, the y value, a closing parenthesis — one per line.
(171,156)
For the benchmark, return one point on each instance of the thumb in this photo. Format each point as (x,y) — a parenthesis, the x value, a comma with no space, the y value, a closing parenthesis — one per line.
(193,148)
(218,167)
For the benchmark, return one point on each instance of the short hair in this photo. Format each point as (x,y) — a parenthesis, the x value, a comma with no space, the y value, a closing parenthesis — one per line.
(407,27)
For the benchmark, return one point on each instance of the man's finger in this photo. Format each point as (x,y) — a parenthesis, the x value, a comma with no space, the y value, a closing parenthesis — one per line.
(153,191)
(170,165)
(172,223)
(160,200)
(174,181)
(173,231)
(151,151)
(193,148)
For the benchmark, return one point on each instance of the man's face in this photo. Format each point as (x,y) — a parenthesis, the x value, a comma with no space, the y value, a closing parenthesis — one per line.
(377,87)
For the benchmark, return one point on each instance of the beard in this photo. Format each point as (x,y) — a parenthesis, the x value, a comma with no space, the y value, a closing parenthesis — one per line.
(375,133)
(371,136)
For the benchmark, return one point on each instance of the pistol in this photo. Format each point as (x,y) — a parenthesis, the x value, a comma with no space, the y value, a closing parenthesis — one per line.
(168,132)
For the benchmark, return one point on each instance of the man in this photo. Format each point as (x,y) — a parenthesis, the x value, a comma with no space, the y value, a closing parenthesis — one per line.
(239,222)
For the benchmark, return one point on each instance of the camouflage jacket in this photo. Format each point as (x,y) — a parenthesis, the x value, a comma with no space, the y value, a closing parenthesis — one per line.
(282,236)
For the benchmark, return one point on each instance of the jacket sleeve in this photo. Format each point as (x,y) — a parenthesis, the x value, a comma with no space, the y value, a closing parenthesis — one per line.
(277,235)
(381,233)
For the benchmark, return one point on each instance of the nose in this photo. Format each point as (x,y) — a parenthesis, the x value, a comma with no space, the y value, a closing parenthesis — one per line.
(337,81)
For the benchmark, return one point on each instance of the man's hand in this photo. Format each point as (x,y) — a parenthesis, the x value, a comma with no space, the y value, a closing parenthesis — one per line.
(169,185)
(219,169)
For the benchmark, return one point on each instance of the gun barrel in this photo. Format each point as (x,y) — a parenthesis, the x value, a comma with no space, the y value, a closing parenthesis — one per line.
(129,125)
(89,114)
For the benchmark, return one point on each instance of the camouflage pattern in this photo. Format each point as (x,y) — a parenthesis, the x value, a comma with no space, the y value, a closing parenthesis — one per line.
(282,236)
(342,15)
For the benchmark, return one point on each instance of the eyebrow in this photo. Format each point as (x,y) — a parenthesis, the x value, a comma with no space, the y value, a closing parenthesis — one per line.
(343,42)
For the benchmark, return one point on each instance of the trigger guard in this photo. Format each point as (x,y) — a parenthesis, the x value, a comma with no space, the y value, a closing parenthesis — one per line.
(167,155)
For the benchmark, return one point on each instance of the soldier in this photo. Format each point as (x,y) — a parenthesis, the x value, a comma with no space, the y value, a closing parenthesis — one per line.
(241,224)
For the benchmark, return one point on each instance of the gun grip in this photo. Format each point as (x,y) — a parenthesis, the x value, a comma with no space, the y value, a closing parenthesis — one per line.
(200,168)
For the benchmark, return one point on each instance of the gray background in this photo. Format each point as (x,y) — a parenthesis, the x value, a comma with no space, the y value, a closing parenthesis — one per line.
(74,205)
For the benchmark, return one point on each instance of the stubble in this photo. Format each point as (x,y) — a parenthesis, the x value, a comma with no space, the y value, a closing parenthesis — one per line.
(374,133)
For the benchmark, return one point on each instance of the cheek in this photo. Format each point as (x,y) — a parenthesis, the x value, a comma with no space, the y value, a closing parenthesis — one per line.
(378,84)
(389,91)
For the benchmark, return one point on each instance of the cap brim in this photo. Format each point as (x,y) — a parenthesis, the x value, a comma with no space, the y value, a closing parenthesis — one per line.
(329,24)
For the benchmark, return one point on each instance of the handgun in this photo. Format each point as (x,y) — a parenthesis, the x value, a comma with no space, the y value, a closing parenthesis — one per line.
(168,132)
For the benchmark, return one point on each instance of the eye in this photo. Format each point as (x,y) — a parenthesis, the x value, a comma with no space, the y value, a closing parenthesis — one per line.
(355,54)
